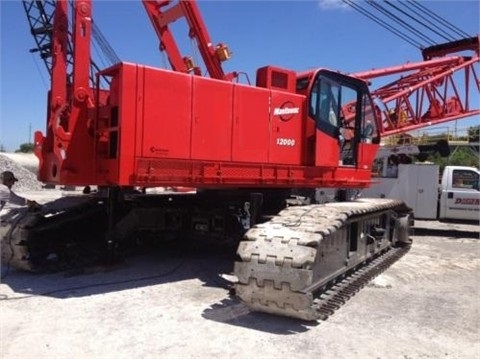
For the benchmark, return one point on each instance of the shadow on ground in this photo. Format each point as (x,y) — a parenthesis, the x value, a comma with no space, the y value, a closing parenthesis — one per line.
(443,232)
(447,228)
(156,266)
(232,311)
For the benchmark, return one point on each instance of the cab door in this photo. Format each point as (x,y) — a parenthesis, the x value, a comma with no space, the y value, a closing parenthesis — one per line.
(347,136)
(462,199)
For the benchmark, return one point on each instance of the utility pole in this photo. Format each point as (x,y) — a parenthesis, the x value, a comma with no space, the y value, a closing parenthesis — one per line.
(29,133)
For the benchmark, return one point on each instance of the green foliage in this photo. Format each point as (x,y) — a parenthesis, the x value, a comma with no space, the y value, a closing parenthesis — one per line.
(2,148)
(474,133)
(462,156)
(25,148)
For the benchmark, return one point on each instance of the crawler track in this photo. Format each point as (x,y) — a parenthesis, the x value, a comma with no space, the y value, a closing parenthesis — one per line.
(333,298)
(308,260)
(64,234)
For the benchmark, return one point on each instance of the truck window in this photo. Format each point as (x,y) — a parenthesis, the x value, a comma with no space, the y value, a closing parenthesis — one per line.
(392,166)
(464,179)
(385,167)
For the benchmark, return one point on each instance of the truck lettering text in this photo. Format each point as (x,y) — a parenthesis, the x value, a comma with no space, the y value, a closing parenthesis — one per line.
(467,201)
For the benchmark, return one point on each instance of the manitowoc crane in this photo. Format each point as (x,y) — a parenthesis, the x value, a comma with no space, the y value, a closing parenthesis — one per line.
(249,150)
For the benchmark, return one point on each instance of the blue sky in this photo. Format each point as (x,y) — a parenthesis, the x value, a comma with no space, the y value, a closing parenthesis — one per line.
(297,35)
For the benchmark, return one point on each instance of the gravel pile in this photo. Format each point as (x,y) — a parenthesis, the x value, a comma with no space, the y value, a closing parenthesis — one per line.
(27,180)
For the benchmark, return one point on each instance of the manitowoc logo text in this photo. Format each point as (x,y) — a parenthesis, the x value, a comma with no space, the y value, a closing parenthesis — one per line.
(286,111)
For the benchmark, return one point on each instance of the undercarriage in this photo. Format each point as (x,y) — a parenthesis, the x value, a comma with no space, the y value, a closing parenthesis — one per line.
(295,258)
(307,260)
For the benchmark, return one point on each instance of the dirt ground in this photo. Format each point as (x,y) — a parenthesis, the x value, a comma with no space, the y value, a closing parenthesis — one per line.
(175,304)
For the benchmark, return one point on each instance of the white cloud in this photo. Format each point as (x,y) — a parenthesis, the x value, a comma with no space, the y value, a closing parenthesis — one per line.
(332,4)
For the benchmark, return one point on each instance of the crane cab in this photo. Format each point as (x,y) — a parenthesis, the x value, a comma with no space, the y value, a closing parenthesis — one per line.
(341,127)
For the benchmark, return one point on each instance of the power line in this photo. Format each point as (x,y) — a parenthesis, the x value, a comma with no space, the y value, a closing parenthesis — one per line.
(452,27)
(417,21)
(382,23)
(426,19)
(400,22)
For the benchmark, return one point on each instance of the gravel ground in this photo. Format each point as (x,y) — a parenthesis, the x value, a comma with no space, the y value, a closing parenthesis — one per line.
(175,304)
(24,167)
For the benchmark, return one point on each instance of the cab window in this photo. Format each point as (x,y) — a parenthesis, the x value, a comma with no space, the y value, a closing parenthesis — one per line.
(337,102)
(464,179)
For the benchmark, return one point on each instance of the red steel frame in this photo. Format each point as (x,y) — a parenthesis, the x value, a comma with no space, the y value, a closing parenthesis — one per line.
(420,98)
(66,145)
(161,15)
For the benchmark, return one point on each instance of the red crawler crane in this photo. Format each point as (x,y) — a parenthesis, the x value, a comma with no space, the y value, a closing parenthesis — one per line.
(243,147)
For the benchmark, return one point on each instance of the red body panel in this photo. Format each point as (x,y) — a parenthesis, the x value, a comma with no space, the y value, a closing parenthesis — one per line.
(251,125)
(177,129)
(212,109)
(286,142)
(327,152)
(166,121)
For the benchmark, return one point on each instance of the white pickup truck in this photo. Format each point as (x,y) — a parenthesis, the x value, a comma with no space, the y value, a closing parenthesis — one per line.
(456,197)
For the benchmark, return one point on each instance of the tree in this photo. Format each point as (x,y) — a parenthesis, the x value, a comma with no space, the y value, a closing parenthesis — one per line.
(473,133)
(25,148)
(463,156)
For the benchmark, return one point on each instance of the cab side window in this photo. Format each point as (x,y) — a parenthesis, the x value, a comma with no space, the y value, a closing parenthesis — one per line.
(325,105)
(464,179)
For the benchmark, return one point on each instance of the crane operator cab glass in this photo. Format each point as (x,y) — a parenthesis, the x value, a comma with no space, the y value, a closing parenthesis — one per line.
(344,119)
